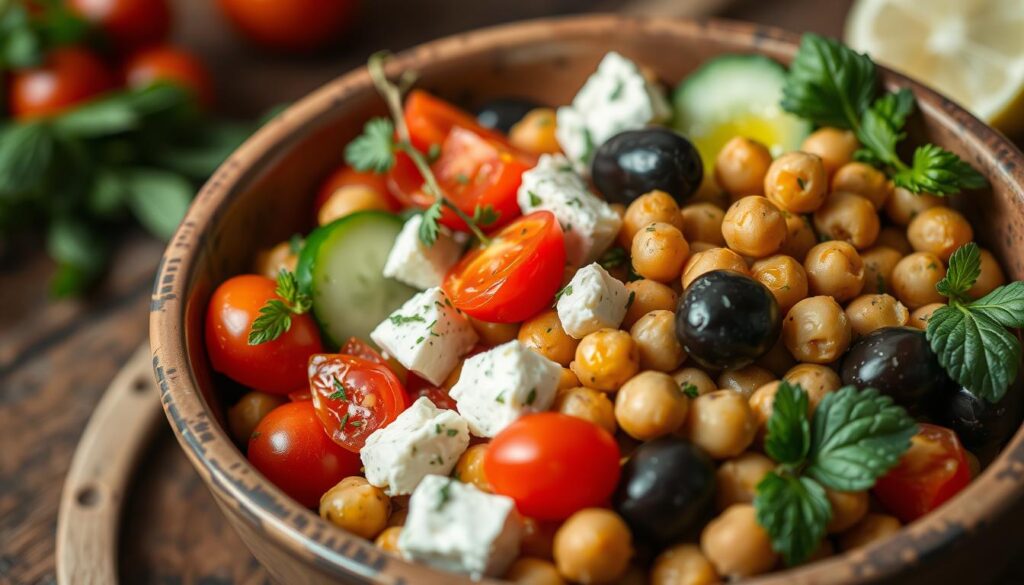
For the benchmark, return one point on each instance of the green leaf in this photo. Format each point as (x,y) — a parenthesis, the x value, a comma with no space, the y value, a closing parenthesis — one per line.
(975,349)
(856,437)
(964,270)
(288,289)
(484,215)
(794,511)
(274,320)
(881,126)
(21,48)
(158,199)
(939,172)
(1005,304)
(789,429)
(26,154)
(204,151)
(81,252)
(828,83)
(101,117)
(429,228)
(108,194)
(613,258)
(374,149)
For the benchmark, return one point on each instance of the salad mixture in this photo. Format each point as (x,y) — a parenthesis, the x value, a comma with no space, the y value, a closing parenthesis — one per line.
(637,337)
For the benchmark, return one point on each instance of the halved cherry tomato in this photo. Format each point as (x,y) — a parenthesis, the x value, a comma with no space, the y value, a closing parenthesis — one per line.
(513,278)
(418,387)
(355,346)
(129,23)
(430,119)
(553,464)
(354,397)
(278,366)
(931,472)
(290,447)
(68,77)
(171,64)
(345,176)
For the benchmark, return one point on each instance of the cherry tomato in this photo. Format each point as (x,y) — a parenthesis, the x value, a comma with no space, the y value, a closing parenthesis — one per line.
(430,119)
(931,472)
(130,24)
(291,25)
(418,387)
(346,176)
(354,397)
(68,77)
(278,366)
(553,464)
(167,63)
(300,395)
(289,446)
(513,278)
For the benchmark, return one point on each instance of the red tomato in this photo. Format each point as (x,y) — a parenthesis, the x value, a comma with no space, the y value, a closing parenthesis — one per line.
(278,366)
(289,446)
(167,63)
(345,176)
(418,387)
(513,278)
(300,395)
(931,472)
(291,25)
(430,119)
(553,464)
(130,24)
(354,397)
(70,76)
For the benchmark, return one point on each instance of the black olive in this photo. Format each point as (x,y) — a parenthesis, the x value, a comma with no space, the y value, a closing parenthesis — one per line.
(899,362)
(727,320)
(981,425)
(503,113)
(635,162)
(667,490)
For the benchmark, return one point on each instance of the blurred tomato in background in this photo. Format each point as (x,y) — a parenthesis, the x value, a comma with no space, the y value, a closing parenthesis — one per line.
(291,25)
(67,76)
(171,64)
(129,24)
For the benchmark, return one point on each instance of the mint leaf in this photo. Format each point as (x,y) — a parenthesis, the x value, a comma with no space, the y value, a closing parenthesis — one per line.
(374,149)
(158,199)
(794,511)
(828,83)
(1005,304)
(789,430)
(938,171)
(27,151)
(974,346)
(964,270)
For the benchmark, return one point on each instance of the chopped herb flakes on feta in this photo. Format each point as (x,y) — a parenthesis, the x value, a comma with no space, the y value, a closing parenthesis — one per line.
(592,300)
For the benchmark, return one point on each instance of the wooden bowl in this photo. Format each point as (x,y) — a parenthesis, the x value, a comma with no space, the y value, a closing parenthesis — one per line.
(262,195)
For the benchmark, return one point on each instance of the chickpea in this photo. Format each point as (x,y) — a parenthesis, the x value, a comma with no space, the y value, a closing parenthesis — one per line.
(745,380)
(567,380)
(713,259)
(919,318)
(848,508)
(895,238)
(650,405)
(721,423)
(848,218)
(871,528)
(762,401)
(470,467)
(800,236)
(991,277)
(350,199)
(736,544)
(737,478)
(528,571)
(271,262)
(356,506)
(796,182)
(588,404)
(879,263)
(816,330)
(834,269)
(834,146)
(867,313)
(593,546)
(249,411)
(387,540)
(648,296)
(914,279)
(778,359)
(903,205)
(741,166)
(816,380)
(702,246)
(683,564)
(656,206)
(864,180)
(939,230)
(784,277)
(659,252)
(695,377)
(535,133)
(702,222)
(655,337)
(543,333)
(493,334)
(605,359)
(754,226)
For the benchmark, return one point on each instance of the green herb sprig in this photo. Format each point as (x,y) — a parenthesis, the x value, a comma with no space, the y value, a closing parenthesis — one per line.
(275,317)
(25,37)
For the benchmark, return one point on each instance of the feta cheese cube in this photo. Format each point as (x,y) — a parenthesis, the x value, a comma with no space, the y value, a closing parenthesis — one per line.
(456,527)
(500,385)
(412,262)
(592,300)
(423,439)
(590,224)
(427,335)
(616,97)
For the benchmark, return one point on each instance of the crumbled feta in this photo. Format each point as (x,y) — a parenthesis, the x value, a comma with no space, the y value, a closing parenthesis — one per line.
(590,225)
(416,264)
(427,335)
(423,439)
(500,385)
(456,527)
(592,300)
(617,97)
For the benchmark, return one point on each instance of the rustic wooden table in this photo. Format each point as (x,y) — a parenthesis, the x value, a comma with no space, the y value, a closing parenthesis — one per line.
(56,358)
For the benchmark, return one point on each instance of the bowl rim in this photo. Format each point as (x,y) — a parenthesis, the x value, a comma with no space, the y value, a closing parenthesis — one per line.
(337,553)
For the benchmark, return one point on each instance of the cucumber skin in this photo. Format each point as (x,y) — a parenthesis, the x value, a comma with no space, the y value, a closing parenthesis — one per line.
(709,68)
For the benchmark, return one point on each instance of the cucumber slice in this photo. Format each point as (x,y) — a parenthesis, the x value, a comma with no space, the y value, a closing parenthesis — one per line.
(736,95)
(342,266)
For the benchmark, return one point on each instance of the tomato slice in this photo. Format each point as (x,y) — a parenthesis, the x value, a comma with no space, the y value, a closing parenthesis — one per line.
(359,348)
(513,278)
(931,472)
(353,397)
(430,119)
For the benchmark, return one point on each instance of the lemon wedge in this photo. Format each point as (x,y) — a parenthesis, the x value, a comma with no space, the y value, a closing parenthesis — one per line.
(970,50)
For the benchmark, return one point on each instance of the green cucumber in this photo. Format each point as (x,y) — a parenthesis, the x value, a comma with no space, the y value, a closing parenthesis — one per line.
(342,267)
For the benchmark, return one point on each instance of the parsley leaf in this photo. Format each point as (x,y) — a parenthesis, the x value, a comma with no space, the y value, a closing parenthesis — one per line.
(828,83)
(484,215)
(789,432)
(689,390)
(794,511)
(881,127)
(613,258)
(938,171)
(964,270)
(429,228)
(374,149)
(275,317)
